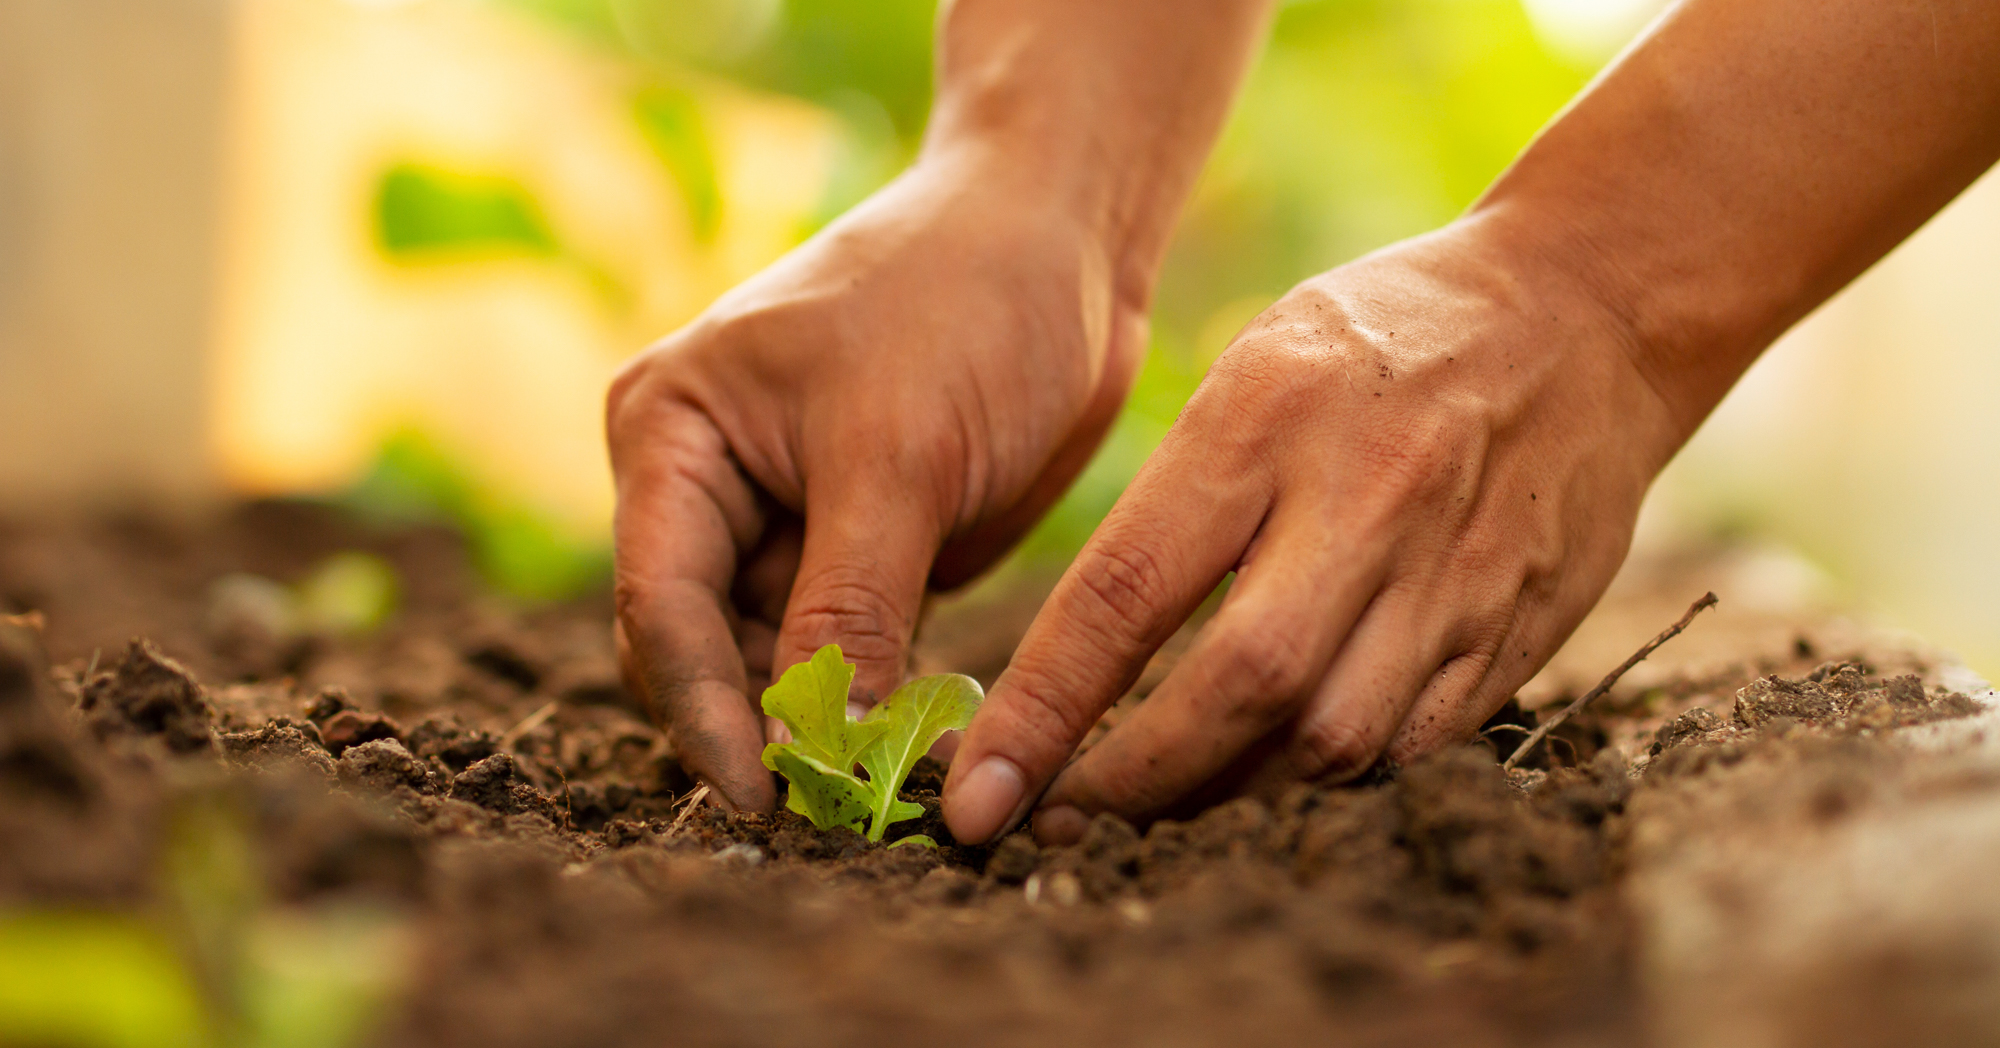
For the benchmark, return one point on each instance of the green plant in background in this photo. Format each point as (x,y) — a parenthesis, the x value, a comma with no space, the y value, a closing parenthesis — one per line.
(428,215)
(348,593)
(811,700)
(518,551)
(422,210)
(670,119)
(1364,122)
(818,50)
(96,980)
(214,966)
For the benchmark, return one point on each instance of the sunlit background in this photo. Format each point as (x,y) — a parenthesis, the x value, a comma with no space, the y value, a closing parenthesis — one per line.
(390,251)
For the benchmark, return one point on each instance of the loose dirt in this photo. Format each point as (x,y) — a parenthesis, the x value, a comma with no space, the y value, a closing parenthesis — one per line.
(478,772)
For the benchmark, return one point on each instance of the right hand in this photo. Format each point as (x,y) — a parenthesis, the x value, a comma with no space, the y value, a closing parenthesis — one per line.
(889,407)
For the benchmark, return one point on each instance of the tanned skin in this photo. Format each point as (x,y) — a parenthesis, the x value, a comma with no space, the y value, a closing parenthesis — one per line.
(1423,466)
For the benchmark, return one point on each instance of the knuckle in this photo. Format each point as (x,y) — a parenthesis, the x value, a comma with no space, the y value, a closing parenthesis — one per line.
(633,595)
(1332,750)
(1038,715)
(1267,378)
(1127,582)
(629,400)
(1267,673)
(1433,457)
(1483,635)
(1429,454)
(852,612)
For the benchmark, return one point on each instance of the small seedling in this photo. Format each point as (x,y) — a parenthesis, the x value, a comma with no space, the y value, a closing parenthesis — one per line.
(811,700)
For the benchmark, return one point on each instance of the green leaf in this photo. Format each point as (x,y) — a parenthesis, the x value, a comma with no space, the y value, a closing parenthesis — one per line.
(423,210)
(913,717)
(96,981)
(828,797)
(917,840)
(811,699)
(672,124)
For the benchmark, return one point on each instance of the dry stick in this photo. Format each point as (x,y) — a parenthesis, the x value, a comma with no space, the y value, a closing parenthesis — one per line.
(688,805)
(1707,601)
(529,723)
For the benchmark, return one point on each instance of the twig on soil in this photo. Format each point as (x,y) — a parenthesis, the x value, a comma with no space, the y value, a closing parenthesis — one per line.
(529,723)
(1707,601)
(569,812)
(688,805)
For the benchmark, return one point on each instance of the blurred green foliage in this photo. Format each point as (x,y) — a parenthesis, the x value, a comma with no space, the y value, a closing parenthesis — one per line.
(422,210)
(213,965)
(1366,121)
(671,120)
(349,593)
(819,50)
(519,551)
(90,980)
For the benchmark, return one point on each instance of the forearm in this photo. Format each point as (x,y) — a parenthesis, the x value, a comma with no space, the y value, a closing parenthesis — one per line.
(1748,160)
(1102,108)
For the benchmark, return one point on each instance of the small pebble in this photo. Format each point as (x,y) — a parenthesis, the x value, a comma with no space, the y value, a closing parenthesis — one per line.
(739,855)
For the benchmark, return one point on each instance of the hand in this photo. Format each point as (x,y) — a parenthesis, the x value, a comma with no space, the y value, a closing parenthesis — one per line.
(916,384)
(1423,468)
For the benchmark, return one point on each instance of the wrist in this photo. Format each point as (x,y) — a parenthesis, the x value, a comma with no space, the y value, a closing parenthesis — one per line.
(1023,186)
(1688,343)
(1563,299)
(1102,112)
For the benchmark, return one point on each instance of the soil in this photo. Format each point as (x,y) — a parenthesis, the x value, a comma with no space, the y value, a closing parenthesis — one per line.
(477,770)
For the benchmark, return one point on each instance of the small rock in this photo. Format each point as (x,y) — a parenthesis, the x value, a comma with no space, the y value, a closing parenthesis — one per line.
(498,784)
(739,855)
(1112,847)
(1108,837)
(1693,724)
(457,746)
(1770,697)
(383,764)
(619,833)
(352,728)
(945,886)
(327,704)
(281,740)
(150,694)
(1907,690)
(1014,859)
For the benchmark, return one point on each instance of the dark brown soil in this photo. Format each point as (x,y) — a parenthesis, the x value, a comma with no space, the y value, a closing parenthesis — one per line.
(479,771)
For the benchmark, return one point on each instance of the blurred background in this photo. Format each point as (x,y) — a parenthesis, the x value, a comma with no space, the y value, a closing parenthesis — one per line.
(389,252)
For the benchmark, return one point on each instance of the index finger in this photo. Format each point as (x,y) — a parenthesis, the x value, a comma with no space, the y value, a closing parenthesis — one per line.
(684,512)
(1168,542)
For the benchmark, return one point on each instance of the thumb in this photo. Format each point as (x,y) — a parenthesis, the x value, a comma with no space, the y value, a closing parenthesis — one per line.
(862,573)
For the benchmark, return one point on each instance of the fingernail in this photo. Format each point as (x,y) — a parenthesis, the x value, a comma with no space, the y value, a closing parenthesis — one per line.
(1060,825)
(986,800)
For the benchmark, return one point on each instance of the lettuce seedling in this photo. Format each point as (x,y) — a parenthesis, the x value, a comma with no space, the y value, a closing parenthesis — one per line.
(811,700)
